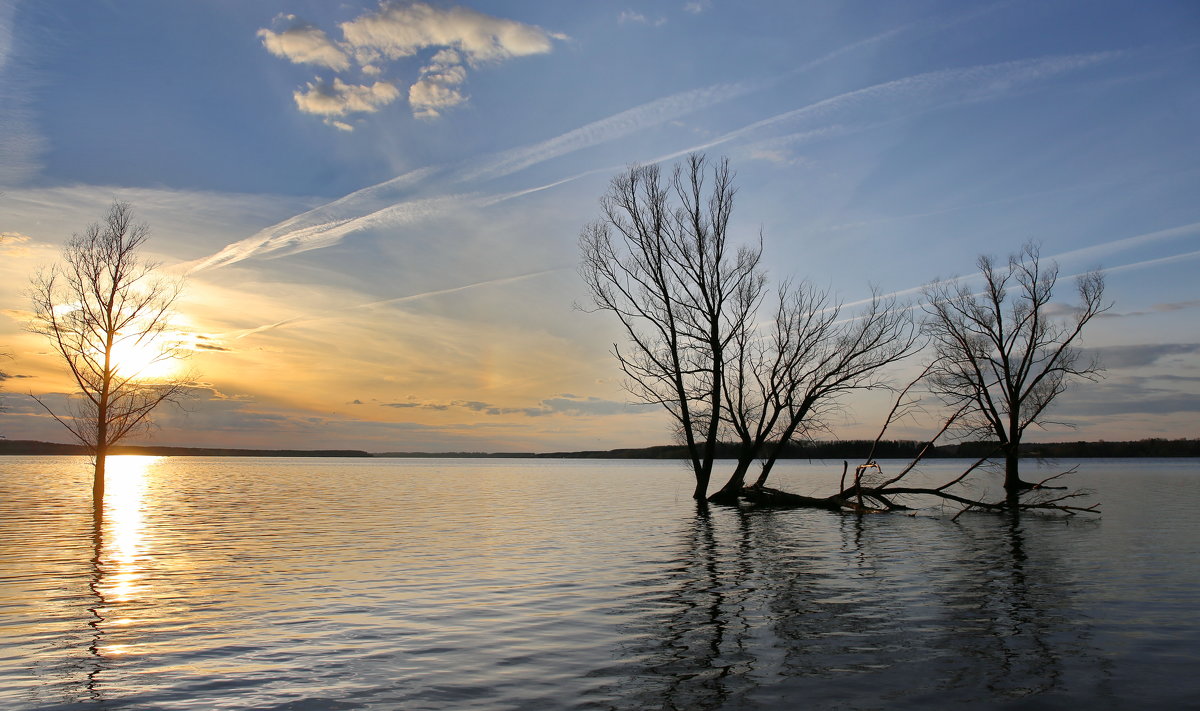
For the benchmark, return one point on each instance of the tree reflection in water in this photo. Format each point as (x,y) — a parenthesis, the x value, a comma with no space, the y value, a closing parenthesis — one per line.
(694,653)
(763,609)
(1010,628)
(96,623)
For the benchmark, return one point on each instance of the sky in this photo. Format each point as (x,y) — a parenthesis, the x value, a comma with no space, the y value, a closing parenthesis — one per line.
(376,207)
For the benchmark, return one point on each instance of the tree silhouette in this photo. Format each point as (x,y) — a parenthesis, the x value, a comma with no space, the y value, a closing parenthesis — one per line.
(1001,356)
(101,298)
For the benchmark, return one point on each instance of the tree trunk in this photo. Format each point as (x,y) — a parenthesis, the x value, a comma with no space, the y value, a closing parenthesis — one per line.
(733,488)
(98,479)
(1012,476)
(701,491)
(1013,484)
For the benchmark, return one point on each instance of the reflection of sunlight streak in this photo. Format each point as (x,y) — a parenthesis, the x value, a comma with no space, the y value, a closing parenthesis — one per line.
(126,487)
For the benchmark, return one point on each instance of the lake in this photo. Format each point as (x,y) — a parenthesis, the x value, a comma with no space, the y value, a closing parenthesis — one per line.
(246,583)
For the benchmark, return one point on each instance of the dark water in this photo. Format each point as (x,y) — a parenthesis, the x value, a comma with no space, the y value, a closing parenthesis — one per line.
(514,584)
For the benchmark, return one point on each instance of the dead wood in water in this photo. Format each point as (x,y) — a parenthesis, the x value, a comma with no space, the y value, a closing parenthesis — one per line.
(873,491)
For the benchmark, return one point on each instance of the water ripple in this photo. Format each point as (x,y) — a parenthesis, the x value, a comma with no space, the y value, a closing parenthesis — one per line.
(511,584)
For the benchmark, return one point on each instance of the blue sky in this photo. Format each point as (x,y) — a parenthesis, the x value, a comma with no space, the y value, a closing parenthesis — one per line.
(377,205)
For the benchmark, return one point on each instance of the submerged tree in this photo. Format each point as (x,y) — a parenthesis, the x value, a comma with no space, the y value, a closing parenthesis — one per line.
(660,258)
(1002,356)
(783,385)
(106,312)
(871,489)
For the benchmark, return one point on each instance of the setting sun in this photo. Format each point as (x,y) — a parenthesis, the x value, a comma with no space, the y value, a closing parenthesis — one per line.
(144,360)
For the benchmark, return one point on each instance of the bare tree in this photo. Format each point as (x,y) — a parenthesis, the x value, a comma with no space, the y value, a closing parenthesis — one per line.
(660,258)
(100,300)
(783,387)
(872,490)
(1002,357)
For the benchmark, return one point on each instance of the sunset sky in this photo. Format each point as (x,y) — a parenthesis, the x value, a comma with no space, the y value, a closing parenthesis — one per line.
(377,206)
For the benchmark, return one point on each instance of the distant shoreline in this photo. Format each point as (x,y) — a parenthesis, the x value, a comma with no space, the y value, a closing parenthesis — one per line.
(850,449)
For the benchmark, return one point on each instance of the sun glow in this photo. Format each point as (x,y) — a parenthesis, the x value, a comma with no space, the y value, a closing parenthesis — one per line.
(144,360)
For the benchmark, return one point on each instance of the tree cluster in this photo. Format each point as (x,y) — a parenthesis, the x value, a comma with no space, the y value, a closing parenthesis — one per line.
(748,372)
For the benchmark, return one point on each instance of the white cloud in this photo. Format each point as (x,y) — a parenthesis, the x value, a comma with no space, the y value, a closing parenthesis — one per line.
(428,98)
(399,30)
(628,16)
(304,44)
(339,98)
(696,6)
(437,88)
(459,37)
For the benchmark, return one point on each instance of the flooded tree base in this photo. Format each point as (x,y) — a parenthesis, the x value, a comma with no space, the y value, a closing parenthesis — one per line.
(883,500)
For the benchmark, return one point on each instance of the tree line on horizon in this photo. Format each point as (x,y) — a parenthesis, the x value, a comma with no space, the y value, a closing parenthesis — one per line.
(1153,447)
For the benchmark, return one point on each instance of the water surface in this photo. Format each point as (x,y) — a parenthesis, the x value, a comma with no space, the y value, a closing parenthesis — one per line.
(241,583)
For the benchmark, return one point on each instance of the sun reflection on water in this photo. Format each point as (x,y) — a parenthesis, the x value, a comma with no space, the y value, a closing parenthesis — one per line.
(119,557)
(125,484)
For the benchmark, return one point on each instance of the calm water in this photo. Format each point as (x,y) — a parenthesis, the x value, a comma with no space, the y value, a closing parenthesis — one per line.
(513,584)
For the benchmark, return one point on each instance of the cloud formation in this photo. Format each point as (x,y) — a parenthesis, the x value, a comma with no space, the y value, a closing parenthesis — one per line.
(437,88)
(456,37)
(402,30)
(339,98)
(303,43)
(834,116)
(630,16)
(13,243)
(1145,355)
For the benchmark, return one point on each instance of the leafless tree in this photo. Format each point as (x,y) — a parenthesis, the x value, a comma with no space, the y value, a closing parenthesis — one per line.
(660,258)
(102,298)
(782,387)
(874,490)
(1002,356)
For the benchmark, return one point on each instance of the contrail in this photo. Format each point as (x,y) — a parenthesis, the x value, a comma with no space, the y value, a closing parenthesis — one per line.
(340,313)
(1109,247)
(464,287)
